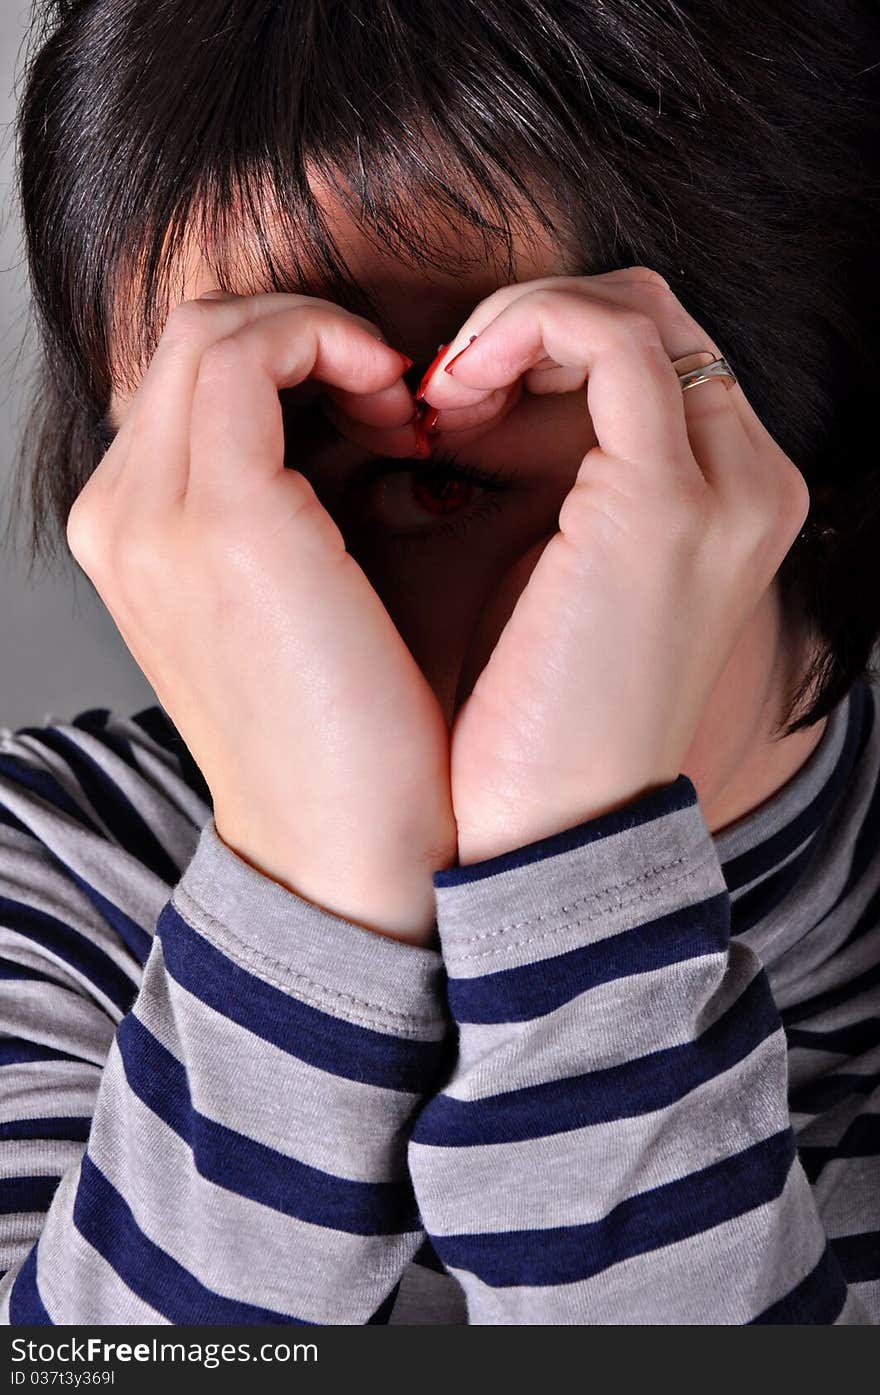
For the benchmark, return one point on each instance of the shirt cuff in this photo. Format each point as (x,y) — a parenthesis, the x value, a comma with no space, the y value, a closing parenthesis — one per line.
(336,964)
(652,856)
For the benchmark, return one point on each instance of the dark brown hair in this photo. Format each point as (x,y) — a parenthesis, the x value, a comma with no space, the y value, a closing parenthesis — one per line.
(729,144)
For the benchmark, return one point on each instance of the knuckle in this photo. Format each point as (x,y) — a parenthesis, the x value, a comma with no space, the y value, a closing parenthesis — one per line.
(640,328)
(83,530)
(188,319)
(223,359)
(647,277)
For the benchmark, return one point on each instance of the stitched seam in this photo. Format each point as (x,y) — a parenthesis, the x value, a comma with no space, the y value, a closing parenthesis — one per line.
(581,900)
(610,904)
(249,957)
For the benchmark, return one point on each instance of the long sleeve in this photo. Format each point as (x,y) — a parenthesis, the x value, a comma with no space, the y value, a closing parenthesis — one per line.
(206,1081)
(614,1145)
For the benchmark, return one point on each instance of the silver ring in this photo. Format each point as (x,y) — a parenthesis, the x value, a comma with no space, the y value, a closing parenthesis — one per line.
(690,373)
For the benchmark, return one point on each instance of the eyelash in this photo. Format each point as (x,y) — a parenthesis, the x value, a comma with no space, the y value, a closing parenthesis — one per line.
(494,482)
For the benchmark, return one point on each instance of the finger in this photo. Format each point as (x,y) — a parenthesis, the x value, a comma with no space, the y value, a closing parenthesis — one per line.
(726,451)
(477,420)
(158,419)
(237,435)
(394,441)
(655,293)
(633,393)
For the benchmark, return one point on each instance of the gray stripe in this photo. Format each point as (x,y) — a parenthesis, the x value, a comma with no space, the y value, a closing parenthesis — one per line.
(729,1280)
(38,1157)
(55,1017)
(525,914)
(76,1284)
(36,1089)
(863,1303)
(586,1034)
(345,1127)
(116,875)
(236,1246)
(848,1196)
(579,1176)
(301,947)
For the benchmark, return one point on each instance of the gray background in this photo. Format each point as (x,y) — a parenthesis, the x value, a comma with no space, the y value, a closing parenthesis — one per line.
(60,651)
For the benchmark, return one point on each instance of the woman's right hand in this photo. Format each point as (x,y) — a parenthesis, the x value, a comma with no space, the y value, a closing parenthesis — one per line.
(324,749)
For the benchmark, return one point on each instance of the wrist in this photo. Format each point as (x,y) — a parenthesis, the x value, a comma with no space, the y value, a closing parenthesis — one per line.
(379,890)
(526,821)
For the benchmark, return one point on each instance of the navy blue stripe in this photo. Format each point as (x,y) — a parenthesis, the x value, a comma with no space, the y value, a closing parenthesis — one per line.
(530,990)
(11,821)
(853,1040)
(111,805)
(428,1257)
(94,721)
(105,1220)
(41,783)
(860,1140)
(767,855)
(816,1096)
(248,1168)
(356,1053)
(652,1219)
(640,1086)
(679,793)
(25,1304)
(71,1127)
(756,905)
(137,940)
(813,1159)
(24,973)
(859,1256)
(160,728)
(15,1050)
(18,1194)
(91,719)
(817,1299)
(73,948)
(867,923)
(832,997)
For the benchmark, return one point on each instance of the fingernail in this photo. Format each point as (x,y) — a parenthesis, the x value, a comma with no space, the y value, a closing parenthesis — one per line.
(430,369)
(216,295)
(456,357)
(430,419)
(407,362)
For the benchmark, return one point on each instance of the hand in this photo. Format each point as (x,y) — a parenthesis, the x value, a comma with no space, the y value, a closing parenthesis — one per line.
(324,749)
(677,522)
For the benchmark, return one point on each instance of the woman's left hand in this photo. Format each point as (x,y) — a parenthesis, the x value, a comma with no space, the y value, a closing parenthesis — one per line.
(673,531)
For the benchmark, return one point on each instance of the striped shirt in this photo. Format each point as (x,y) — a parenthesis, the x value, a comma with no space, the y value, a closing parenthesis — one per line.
(634,1079)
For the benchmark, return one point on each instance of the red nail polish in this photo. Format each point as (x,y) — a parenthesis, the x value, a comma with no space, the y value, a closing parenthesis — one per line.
(430,419)
(456,357)
(430,369)
(407,362)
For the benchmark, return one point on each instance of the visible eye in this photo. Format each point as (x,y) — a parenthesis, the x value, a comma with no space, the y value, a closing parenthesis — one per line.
(401,496)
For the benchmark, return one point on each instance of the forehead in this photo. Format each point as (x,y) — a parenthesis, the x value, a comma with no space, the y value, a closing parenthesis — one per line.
(416,305)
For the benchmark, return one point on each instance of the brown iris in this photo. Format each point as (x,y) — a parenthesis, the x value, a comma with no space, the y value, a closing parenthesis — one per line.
(436,493)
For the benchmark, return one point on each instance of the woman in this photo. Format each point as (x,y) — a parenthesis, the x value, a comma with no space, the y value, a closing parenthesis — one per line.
(481,928)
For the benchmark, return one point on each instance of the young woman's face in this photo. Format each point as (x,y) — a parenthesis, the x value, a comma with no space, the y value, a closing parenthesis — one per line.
(448,558)
(450,576)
